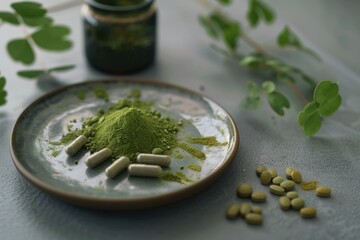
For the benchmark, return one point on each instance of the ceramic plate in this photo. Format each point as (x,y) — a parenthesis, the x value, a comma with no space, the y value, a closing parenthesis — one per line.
(49,168)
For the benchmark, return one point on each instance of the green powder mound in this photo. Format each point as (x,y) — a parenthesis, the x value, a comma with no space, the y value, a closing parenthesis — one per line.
(130,131)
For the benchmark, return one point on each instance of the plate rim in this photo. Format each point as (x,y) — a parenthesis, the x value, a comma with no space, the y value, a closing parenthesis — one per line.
(118,203)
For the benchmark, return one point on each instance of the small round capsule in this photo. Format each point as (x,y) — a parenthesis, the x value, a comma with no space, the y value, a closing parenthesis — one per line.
(259,170)
(323,191)
(288,172)
(254,218)
(308,212)
(245,209)
(284,203)
(265,178)
(256,209)
(258,197)
(98,157)
(296,176)
(244,190)
(277,180)
(292,195)
(153,159)
(277,190)
(297,203)
(75,145)
(233,211)
(117,167)
(143,170)
(273,172)
(288,185)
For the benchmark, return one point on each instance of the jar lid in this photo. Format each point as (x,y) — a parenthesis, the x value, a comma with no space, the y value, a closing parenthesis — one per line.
(98,6)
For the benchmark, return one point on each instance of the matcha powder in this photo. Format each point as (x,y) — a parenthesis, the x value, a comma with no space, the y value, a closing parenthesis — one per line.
(129,131)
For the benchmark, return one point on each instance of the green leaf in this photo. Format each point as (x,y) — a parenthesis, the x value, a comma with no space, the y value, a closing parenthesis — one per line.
(2,82)
(251,103)
(53,38)
(328,107)
(20,50)
(283,37)
(325,91)
(252,14)
(3,93)
(224,2)
(229,29)
(231,35)
(9,18)
(37,21)
(268,86)
(267,12)
(28,9)
(252,17)
(259,10)
(288,38)
(253,90)
(309,109)
(310,121)
(209,27)
(30,74)
(249,60)
(61,68)
(278,102)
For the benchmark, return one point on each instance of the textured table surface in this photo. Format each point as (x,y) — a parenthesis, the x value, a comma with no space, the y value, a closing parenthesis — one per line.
(184,58)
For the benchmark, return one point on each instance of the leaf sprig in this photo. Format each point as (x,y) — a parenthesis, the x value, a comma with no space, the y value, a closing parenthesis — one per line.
(3,93)
(228,32)
(44,35)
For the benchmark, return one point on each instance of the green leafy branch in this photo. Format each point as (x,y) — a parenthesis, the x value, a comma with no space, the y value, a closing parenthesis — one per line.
(229,33)
(45,36)
(3,93)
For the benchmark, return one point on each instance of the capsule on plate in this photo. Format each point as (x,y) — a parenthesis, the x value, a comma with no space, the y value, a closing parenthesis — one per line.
(143,170)
(117,167)
(153,159)
(98,157)
(75,145)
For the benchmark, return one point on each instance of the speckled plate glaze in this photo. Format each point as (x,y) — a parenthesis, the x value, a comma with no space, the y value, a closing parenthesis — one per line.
(47,119)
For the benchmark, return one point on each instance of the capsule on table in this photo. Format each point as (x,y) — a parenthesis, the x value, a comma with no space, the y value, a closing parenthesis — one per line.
(98,157)
(153,159)
(143,170)
(117,167)
(75,145)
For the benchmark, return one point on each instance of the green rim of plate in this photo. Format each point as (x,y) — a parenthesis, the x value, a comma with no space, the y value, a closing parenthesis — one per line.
(114,203)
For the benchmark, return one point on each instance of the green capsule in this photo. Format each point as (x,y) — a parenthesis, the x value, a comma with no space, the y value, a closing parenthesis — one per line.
(297,203)
(288,185)
(277,190)
(265,178)
(244,190)
(233,211)
(259,170)
(254,219)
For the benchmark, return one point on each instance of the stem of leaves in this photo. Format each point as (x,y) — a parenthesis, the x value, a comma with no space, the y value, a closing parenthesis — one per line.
(223,29)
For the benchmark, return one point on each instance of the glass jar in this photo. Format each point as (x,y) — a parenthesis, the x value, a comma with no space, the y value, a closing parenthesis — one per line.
(120,35)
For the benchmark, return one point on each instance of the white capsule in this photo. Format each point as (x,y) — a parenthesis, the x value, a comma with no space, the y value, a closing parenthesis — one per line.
(117,167)
(98,157)
(153,159)
(143,170)
(75,145)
